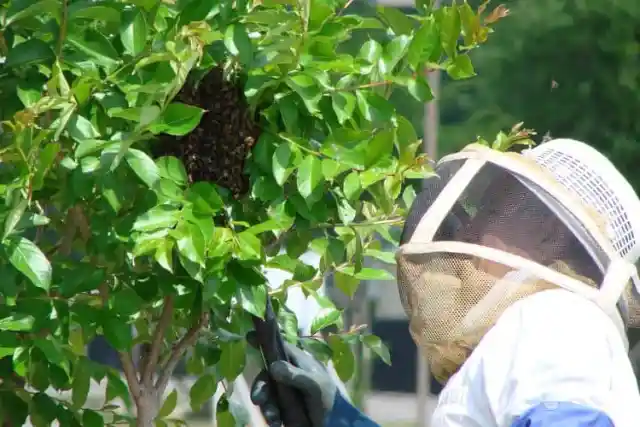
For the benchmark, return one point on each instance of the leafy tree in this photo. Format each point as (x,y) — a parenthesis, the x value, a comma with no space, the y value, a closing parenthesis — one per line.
(569,68)
(156,156)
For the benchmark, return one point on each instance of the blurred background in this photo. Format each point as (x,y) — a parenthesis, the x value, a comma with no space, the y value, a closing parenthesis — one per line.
(566,68)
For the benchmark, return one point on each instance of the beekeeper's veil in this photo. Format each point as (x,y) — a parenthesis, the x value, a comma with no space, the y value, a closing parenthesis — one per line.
(492,228)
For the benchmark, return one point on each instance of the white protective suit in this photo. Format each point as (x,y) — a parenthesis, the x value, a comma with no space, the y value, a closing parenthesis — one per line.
(524,316)
(585,363)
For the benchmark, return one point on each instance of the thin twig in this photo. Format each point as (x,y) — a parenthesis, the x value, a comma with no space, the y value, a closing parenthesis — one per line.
(151,360)
(63,30)
(130,374)
(125,357)
(345,7)
(188,340)
(362,86)
(368,223)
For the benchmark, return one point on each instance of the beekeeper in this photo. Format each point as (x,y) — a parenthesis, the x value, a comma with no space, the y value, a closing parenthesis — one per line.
(517,274)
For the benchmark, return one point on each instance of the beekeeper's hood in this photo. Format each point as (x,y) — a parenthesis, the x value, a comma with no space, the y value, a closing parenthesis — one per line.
(492,228)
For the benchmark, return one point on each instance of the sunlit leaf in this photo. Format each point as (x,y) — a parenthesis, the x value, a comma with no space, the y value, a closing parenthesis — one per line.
(133,32)
(28,259)
(309,176)
(178,119)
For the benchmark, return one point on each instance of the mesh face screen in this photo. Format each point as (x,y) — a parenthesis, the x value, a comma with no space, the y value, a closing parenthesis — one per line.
(453,299)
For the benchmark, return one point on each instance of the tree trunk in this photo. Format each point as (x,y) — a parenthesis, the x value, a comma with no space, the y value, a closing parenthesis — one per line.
(147,407)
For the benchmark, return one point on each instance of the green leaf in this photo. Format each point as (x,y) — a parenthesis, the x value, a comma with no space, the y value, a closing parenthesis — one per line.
(461,68)
(425,45)
(117,331)
(96,45)
(116,387)
(289,112)
(171,402)
(408,196)
(254,299)
(80,128)
(52,350)
(143,115)
(46,160)
(158,217)
(44,408)
(171,168)
(28,8)
(13,218)
(383,256)
(93,11)
(420,89)
(81,383)
(196,10)
(346,212)
(29,92)
(237,40)
(17,323)
(346,283)
(249,246)
(450,27)
(178,119)
(164,255)
(191,248)
(380,147)
(368,273)
(342,357)
(143,166)
(148,243)
(92,418)
(331,169)
(309,176)
(205,198)
(133,32)
(289,324)
(373,107)
(90,146)
(326,317)
(406,140)
(28,259)
(308,89)
(32,51)
(224,417)
(371,51)
(351,186)
(470,23)
(281,162)
(202,391)
(376,345)
(394,52)
(343,104)
(232,359)
(397,19)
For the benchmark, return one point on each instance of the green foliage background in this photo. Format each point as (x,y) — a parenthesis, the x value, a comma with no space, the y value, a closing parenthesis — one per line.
(567,67)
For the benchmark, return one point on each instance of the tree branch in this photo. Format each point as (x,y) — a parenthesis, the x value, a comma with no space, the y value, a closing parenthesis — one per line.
(151,360)
(130,374)
(63,29)
(126,360)
(188,340)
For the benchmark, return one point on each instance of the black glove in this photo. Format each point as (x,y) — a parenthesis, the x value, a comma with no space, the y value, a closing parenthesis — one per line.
(308,376)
